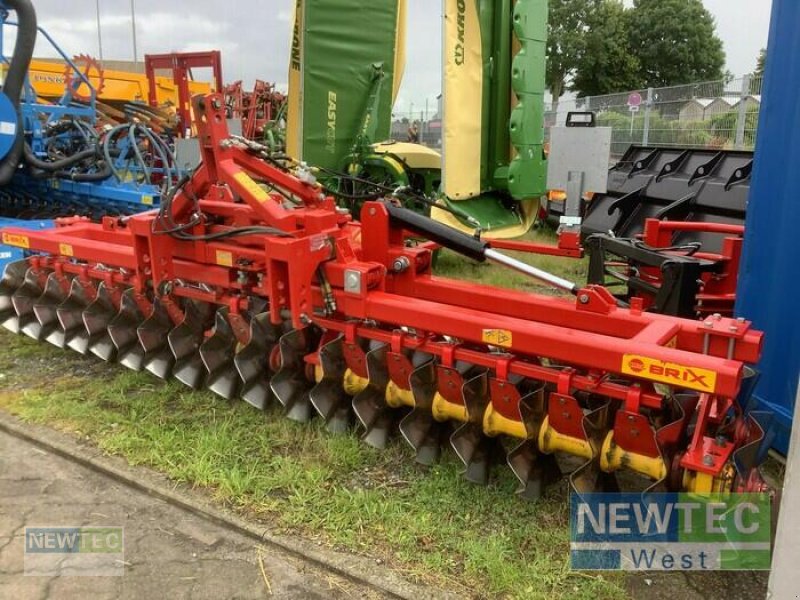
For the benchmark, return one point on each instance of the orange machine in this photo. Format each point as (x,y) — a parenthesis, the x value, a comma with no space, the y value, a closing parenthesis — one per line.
(49,78)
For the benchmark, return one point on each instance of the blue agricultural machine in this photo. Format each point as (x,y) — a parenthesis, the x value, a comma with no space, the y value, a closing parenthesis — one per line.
(57,159)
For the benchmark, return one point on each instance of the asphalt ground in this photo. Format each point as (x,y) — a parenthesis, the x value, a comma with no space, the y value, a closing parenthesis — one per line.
(169,550)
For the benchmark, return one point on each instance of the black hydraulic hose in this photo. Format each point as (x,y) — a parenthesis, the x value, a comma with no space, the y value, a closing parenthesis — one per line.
(15,79)
(158,146)
(58,165)
(166,155)
(107,151)
(100,175)
(132,141)
(39,174)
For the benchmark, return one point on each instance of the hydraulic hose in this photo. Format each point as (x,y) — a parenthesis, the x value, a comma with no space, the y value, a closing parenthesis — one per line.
(58,165)
(107,150)
(158,147)
(104,173)
(15,79)
(100,175)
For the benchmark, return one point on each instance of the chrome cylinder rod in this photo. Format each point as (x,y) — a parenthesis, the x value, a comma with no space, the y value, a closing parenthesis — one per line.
(518,265)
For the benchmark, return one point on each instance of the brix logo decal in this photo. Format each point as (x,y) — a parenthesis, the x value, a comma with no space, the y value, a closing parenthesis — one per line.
(653,369)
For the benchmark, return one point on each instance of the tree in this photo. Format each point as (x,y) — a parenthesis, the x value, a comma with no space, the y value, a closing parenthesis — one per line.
(566,40)
(761,63)
(607,63)
(676,42)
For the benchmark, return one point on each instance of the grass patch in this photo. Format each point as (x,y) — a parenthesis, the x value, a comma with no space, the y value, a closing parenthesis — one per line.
(450,264)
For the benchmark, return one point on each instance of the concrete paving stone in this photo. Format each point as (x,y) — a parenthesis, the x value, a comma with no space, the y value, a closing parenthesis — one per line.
(221,578)
(155,546)
(11,526)
(12,556)
(11,521)
(155,510)
(24,588)
(106,513)
(72,491)
(46,513)
(169,552)
(16,492)
(165,580)
(236,549)
(100,588)
(195,530)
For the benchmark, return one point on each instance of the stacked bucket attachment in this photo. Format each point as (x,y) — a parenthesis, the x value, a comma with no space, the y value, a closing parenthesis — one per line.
(670,229)
(330,396)
(124,331)
(297,305)
(24,299)
(184,342)
(371,404)
(673,184)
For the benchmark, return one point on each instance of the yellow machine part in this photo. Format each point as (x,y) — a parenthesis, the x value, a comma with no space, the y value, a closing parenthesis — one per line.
(447,411)
(463,101)
(613,458)
(48,80)
(551,441)
(495,424)
(353,384)
(294,110)
(397,397)
(416,156)
(529,210)
(400,50)
(695,482)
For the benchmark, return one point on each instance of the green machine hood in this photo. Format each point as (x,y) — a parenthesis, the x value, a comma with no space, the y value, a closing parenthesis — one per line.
(336,47)
(494,83)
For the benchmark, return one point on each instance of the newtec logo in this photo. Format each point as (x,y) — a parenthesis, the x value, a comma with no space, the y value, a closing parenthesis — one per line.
(670,532)
(70,540)
(77,551)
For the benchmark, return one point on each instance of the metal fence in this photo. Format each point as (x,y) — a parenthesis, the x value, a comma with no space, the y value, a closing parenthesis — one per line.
(714,114)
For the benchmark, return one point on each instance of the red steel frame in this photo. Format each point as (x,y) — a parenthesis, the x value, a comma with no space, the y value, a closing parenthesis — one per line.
(181,65)
(452,320)
(719,289)
(569,246)
(246,106)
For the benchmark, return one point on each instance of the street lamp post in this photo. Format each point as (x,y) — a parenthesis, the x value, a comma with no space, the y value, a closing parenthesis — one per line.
(133,25)
(99,35)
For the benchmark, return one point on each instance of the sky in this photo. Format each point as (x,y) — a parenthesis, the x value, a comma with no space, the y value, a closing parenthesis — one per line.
(253,35)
